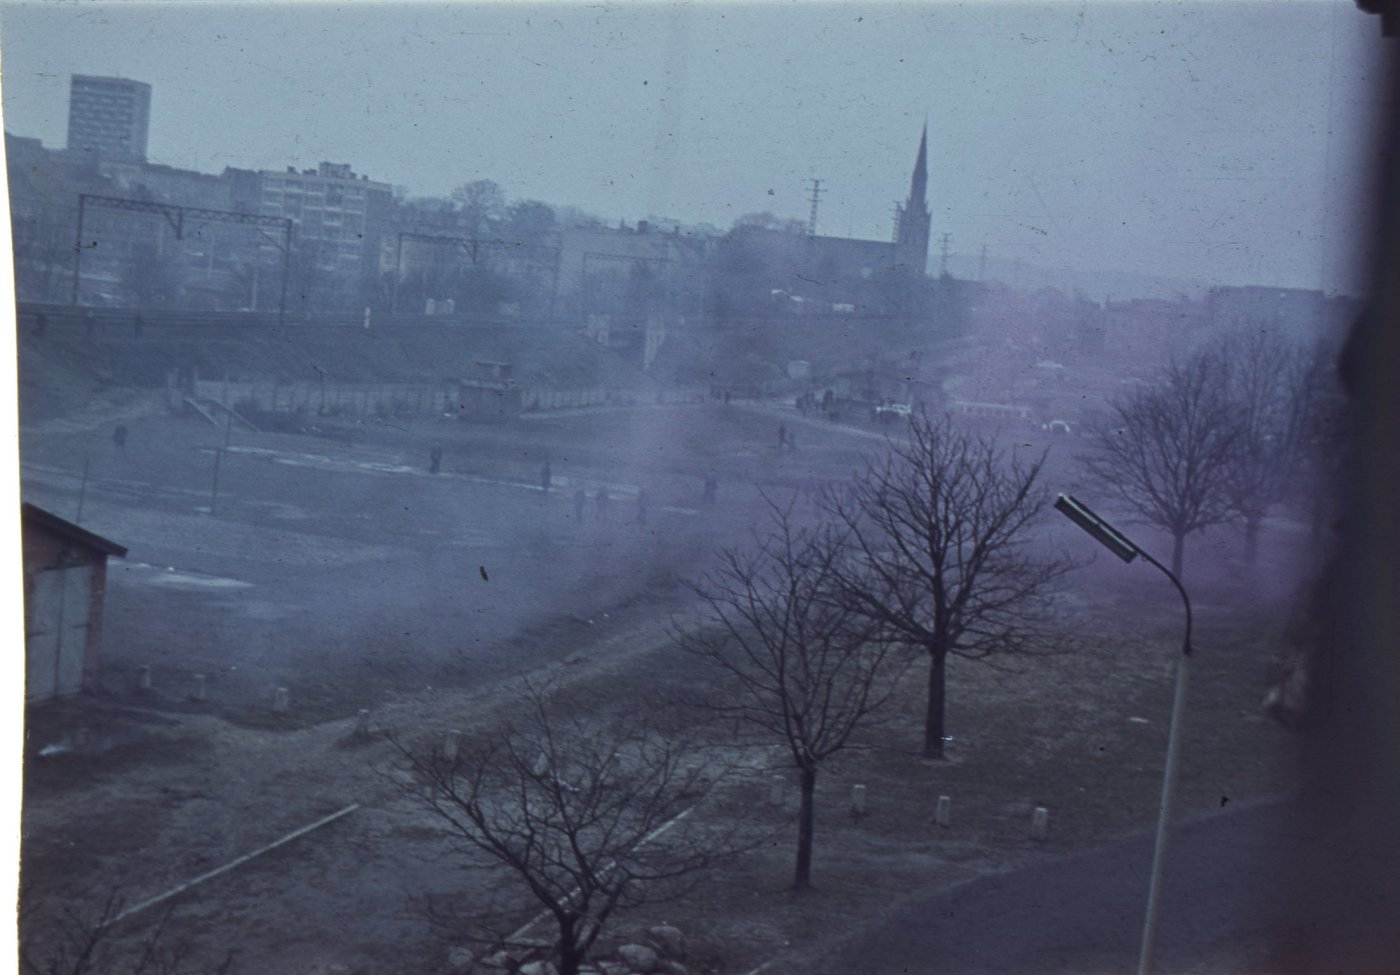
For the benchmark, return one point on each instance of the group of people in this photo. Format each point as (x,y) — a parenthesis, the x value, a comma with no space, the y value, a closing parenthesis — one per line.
(602,502)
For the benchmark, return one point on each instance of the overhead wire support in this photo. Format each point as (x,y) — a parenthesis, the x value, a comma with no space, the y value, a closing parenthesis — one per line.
(174,215)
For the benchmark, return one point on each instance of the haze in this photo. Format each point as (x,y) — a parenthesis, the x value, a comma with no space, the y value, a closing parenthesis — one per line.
(1196,141)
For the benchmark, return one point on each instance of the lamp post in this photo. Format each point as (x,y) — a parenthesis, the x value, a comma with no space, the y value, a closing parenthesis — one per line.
(1118,543)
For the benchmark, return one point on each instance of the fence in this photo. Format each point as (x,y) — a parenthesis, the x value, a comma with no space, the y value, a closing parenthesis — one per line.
(360,399)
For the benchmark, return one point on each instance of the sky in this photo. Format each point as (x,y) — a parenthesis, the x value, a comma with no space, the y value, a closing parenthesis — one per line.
(1214,141)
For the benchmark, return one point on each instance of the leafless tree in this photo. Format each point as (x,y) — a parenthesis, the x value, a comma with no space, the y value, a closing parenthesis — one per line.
(797,662)
(943,556)
(1166,450)
(1326,430)
(1268,386)
(79,941)
(589,816)
(480,200)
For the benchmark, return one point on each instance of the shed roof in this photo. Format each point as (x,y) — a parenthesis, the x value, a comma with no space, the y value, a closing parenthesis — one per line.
(33,514)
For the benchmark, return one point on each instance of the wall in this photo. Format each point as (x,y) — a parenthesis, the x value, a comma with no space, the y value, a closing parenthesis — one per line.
(64,588)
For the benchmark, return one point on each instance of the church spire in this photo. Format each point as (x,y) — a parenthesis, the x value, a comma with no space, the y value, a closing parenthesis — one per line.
(912,222)
(918,186)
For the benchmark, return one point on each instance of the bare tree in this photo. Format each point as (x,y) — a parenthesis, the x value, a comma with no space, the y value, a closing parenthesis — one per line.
(943,554)
(78,941)
(1326,430)
(1166,450)
(480,200)
(1267,385)
(798,663)
(530,221)
(589,817)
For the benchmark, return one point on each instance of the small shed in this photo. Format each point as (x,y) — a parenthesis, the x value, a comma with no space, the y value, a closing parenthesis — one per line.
(65,580)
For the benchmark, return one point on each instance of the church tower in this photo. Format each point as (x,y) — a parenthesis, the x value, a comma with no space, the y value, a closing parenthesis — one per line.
(912,217)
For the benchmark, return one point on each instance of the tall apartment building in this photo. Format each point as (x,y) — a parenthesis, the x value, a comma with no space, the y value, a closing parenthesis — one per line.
(110,117)
(339,218)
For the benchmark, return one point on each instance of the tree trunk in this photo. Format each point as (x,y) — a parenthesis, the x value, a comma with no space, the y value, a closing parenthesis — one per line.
(1251,537)
(802,878)
(570,958)
(1178,549)
(933,717)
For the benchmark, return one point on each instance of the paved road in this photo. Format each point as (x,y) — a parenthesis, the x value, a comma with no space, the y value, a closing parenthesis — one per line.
(1231,905)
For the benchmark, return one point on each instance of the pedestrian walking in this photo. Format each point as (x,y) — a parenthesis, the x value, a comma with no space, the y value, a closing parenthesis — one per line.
(579,499)
(435,458)
(546,476)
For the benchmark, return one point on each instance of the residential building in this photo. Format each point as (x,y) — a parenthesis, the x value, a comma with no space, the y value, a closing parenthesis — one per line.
(109,117)
(1298,314)
(339,221)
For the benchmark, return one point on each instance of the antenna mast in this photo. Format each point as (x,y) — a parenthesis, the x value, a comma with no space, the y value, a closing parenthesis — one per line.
(817,192)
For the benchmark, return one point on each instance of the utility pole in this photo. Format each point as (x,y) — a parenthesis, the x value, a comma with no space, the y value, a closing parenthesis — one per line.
(218,458)
(817,192)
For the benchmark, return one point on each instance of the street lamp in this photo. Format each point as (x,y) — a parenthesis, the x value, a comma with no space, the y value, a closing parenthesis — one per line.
(1118,543)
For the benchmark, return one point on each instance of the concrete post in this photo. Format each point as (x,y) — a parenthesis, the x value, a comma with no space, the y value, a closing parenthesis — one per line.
(1040,823)
(858,800)
(281,700)
(943,812)
(201,687)
(143,678)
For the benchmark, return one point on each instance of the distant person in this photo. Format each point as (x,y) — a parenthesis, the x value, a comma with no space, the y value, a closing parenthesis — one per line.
(119,437)
(579,500)
(546,476)
(602,501)
(435,458)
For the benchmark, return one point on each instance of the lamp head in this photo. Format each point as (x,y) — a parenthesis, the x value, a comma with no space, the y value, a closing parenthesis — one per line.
(1106,535)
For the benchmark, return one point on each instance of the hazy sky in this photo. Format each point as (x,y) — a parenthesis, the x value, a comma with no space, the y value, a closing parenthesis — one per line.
(1204,140)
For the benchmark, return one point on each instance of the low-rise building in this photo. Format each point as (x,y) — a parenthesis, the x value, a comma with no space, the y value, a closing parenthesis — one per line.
(65,583)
